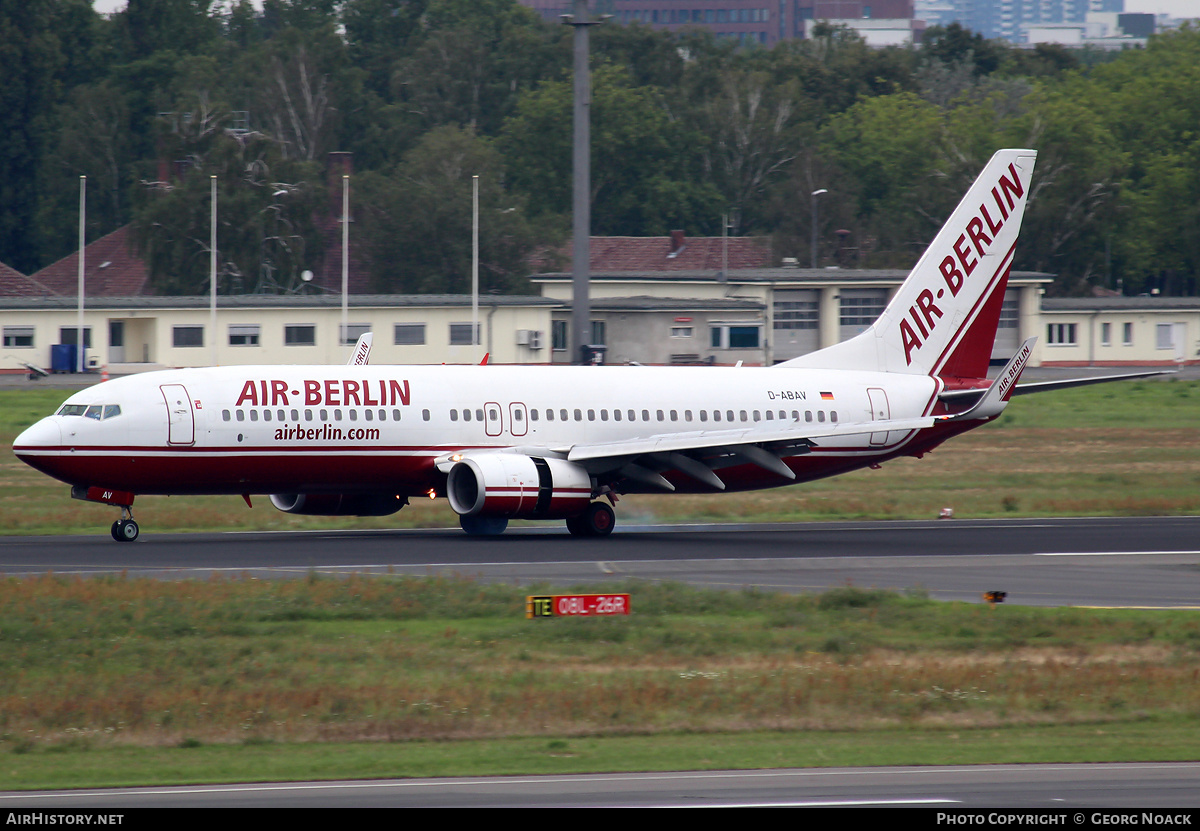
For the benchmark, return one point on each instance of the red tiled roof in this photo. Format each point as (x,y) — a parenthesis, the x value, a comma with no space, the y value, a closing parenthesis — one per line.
(110,269)
(15,284)
(653,253)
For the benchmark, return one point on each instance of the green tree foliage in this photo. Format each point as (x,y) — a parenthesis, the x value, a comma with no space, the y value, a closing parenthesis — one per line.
(685,128)
(266,203)
(418,218)
(644,177)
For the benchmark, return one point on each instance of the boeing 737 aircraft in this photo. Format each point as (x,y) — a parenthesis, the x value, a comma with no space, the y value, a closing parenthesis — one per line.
(550,442)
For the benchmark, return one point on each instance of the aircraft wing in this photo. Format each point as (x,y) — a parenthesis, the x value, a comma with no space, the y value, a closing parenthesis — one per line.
(700,453)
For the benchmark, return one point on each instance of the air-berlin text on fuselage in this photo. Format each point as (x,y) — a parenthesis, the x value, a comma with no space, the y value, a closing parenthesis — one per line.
(335,392)
(969,248)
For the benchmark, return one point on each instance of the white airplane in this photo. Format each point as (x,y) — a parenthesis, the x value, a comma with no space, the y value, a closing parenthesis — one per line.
(505,442)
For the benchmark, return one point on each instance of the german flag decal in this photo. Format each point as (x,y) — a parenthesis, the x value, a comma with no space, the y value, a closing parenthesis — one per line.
(826,396)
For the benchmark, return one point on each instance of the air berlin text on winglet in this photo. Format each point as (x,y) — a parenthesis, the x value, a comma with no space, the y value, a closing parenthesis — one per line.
(343,392)
(955,269)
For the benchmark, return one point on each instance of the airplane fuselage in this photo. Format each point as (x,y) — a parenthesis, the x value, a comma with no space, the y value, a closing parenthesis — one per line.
(359,429)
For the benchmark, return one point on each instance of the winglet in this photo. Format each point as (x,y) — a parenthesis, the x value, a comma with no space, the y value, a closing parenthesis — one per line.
(996,398)
(362,350)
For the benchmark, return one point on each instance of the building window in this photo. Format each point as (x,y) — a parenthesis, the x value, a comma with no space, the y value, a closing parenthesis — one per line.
(409,334)
(1164,336)
(1127,334)
(862,307)
(353,332)
(70,335)
(598,334)
(681,331)
(460,334)
(186,336)
(558,335)
(18,337)
(1010,314)
(244,334)
(1061,334)
(736,336)
(300,334)
(1106,334)
(797,315)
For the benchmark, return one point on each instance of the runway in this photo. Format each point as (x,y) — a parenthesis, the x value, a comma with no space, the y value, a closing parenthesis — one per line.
(1122,561)
(1079,794)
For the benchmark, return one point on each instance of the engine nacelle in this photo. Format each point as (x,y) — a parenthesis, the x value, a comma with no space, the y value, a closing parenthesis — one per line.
(338,504)
(514,485)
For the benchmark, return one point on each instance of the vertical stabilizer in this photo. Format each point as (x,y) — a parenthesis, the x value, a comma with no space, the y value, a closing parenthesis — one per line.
(942,320)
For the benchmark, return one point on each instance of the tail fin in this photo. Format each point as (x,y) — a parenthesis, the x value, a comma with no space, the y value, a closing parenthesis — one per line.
(362,350)
(942,320)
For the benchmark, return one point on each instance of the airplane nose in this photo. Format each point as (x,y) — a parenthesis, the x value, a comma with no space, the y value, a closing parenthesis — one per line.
(45,433)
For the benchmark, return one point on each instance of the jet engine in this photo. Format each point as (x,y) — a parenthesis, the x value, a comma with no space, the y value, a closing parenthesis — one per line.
(339,504)
(514,485)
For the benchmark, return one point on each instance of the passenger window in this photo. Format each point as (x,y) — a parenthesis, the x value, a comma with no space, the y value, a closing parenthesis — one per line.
(562,415)
(353,415)
(466,415)
(807,415)
(266,415)
(479,413)
(604,415)
(368,415)
(254,415)
(591,415)
(424,414)
(646,415)
(579,415)
(687,415)
(395,415)
(241,416)
(660,415)
(225,415)
(454,415)
(833,415)
(616,415)
(308,415)
(324,415)
(729,415)
(295,415)
(549,414)
(821,416)
(517,415)
(281,416)
(704,415)
(533,416)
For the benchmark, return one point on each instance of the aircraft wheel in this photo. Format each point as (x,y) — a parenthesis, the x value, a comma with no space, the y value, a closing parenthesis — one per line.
(125,530)
(598,520)
(483,526)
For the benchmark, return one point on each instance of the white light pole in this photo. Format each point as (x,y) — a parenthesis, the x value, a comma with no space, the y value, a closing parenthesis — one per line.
(475,261)
(79,327)
(815,194)
(345,256)
(212,268)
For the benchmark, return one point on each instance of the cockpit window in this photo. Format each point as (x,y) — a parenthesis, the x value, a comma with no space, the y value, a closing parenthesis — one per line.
(96,411)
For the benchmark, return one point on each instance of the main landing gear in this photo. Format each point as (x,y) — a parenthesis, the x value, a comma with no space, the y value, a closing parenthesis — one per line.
(597,520)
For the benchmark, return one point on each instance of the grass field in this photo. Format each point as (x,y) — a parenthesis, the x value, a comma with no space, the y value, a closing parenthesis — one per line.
(1130,448)
(115,681)
(112,681)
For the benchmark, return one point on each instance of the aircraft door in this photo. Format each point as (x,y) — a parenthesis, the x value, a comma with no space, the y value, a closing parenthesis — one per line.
(517,416)
(182,423)
(493,419)
(880,411)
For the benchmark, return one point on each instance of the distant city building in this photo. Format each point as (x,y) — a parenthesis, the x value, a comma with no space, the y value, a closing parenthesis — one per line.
(763,22)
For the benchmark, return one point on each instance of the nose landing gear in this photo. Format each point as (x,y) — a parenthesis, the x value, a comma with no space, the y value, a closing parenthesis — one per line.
(125,529)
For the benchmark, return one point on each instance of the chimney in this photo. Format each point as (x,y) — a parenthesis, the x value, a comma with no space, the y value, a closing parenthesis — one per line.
(340,163)
(677,244)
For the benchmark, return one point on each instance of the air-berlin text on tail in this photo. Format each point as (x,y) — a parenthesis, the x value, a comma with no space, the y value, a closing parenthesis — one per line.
(332,392)
(971,246)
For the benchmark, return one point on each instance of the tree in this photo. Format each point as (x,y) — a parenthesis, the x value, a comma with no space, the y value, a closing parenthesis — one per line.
(646,175)
(266,236)
(417,219)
